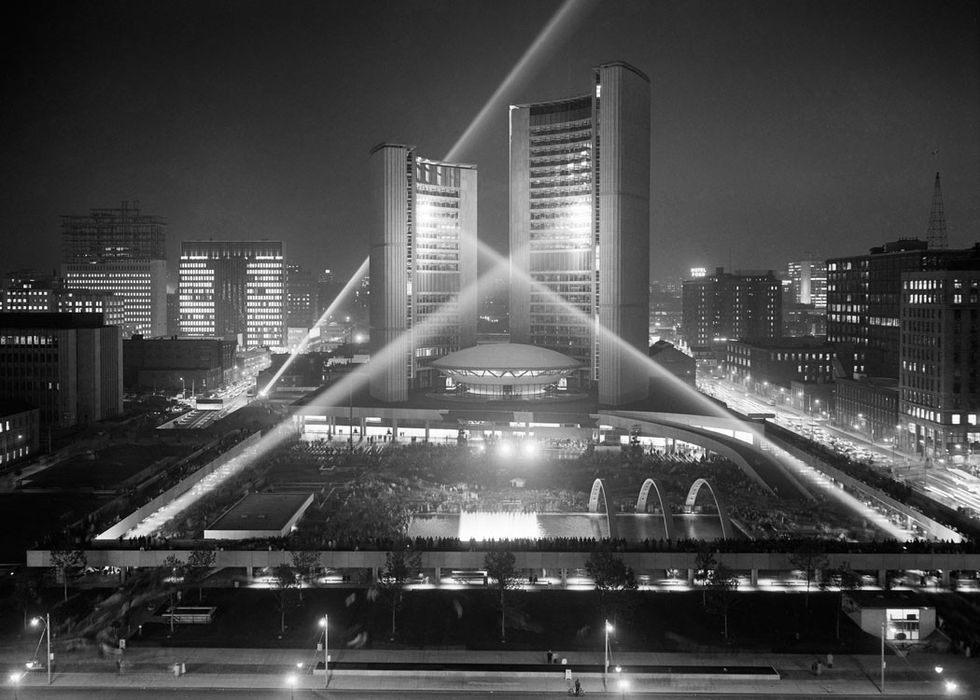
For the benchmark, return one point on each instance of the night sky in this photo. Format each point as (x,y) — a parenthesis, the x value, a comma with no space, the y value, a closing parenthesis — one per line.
(780,129)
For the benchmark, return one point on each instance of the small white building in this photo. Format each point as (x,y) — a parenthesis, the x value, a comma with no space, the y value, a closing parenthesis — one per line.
(905,614)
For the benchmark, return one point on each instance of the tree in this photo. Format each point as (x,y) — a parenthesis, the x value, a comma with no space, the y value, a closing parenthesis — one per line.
(609,573)
(843,578)
(283,581)
(722,589)
(703,566)
(500,570)
(400,567)
(67,563)
(304,564)
(809,559)
(199,563)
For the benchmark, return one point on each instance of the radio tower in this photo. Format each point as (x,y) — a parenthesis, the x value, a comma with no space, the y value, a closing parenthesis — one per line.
(937,219)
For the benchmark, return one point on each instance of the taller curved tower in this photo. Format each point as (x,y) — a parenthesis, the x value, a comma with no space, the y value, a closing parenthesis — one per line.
(580,227)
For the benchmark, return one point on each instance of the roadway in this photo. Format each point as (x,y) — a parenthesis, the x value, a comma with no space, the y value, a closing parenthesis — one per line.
(950,485)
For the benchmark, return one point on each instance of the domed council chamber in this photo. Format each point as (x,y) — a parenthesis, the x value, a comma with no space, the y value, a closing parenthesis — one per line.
(506,371)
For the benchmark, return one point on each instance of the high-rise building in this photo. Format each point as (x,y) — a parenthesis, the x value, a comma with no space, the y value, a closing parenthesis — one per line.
(300,297)
(423,300)
(939,371)
(580,229)
(120,251)
(726,306)
(864,295)
(233,289)
(69,366)
(808,280)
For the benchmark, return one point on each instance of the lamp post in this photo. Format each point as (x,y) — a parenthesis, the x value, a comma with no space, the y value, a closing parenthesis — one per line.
(882,657)
(183,388)
(291,682)
(326,654)
(608,629)
(47,635)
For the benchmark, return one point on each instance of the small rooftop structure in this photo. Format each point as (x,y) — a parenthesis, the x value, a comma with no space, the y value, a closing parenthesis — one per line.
(260,515)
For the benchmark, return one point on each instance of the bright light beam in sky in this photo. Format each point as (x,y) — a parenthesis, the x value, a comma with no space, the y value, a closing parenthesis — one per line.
(556,29)
(361,271)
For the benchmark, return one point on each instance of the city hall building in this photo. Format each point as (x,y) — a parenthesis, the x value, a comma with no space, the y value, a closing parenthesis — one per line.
(580,229)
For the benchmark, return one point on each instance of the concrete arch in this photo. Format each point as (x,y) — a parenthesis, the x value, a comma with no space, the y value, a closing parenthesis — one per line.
(641,505)
(599,489)
(692,496)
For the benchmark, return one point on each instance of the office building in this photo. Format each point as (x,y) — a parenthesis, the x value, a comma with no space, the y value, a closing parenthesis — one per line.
(301,297)
(580,231)
(939,371)
(233,290)
(175,364)
(423,297)
(46,294)
(119,251)
(808,282)
(726,306)
(19,433)
(864,297)
(69,366)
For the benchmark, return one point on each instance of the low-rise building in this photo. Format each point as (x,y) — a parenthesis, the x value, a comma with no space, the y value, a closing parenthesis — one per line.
(19,433)
(178,363)
(69,366)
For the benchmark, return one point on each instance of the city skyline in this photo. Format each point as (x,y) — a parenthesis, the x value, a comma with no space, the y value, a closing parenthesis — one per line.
(778,131)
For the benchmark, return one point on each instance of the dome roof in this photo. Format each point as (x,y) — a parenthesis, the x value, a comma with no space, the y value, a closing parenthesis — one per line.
(505,356)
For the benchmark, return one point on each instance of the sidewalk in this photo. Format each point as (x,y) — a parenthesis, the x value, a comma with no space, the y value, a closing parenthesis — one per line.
(460,670)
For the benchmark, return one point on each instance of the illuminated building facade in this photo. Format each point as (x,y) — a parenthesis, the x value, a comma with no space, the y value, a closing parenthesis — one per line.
(726,306)
(69,366)
(19,433)
(864,296)
(232,289)
(939,373)
(423,300)
(120,251)
(808,280)
(579,229)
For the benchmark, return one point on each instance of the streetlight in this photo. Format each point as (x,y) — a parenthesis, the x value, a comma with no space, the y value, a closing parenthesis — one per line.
(608,629)
(326,655)
(291,682)
(183,388)
(47,634)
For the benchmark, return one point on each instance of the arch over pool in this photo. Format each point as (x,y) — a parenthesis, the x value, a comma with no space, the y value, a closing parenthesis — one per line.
(641,505)
(599,489)
(692,496)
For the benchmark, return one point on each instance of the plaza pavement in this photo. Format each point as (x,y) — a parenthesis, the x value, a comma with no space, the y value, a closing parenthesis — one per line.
(224,668)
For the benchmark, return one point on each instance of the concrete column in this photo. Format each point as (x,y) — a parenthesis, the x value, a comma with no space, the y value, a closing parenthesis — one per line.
(882,578)
(363,427)
(754,577)
(564,578)
(817,578)
(438,575)
(690,577)
(376,573)
(946,577)
(394,429)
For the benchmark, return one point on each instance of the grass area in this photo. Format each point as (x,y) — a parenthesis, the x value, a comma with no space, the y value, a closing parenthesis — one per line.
(26,518)
(108,466)
(570,621)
